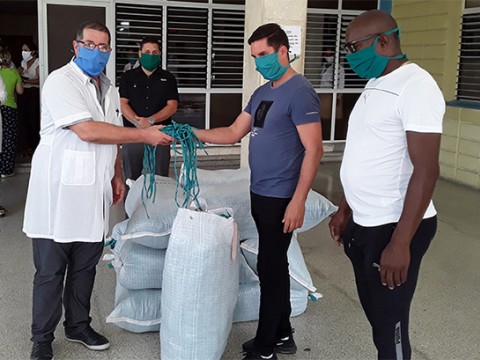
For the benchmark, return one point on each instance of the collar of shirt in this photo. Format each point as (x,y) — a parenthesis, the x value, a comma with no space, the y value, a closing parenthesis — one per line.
(86,79)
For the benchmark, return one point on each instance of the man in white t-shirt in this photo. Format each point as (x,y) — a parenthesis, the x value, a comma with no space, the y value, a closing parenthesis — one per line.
(76,176)
(386,220)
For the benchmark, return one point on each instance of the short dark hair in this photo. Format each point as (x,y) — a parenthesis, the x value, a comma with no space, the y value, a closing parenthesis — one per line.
(94,25)
(150,40)
(275,35)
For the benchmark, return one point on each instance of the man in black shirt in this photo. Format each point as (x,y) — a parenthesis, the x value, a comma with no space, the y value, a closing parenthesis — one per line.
(148,96)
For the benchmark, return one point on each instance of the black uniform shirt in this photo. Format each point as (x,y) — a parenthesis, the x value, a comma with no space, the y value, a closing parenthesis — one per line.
(148,95)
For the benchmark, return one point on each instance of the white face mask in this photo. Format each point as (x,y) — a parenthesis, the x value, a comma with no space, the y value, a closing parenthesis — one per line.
(329,59)
(26,55)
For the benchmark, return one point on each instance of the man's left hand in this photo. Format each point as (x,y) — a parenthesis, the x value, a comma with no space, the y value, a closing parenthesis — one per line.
(394,264)
(294,214)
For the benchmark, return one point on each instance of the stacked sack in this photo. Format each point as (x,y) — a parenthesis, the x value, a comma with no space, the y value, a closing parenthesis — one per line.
(141,242)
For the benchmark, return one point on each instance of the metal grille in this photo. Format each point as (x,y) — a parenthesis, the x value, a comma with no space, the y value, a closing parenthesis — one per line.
(468,81)
(227,48)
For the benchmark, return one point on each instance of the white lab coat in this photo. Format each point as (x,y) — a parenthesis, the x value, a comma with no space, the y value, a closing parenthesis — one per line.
(70,193)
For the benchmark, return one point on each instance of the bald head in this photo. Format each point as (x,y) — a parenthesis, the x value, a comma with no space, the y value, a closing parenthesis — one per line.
(370,23)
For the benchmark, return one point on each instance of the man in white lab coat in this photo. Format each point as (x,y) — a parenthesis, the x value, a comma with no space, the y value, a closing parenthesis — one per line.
(76,176)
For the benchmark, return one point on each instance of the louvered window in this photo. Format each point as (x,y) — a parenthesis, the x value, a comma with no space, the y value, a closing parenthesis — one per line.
(325,64)
(202,46)
(468,81)
(133,23)
(187,42)
(227,48)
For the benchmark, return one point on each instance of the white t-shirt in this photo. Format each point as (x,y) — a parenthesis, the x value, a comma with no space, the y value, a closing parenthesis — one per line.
(376,166)
(70,192)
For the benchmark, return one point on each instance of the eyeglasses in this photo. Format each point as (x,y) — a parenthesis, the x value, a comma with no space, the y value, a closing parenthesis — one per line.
(350,46)
(92,46)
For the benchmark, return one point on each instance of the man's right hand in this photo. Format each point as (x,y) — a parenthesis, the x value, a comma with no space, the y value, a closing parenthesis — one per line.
(154,136)
(339,222)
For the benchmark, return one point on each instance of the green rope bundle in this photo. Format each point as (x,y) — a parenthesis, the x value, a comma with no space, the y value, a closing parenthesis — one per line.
(189,142)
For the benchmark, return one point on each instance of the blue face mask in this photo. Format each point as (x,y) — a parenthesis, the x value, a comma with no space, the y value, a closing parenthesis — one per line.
(269,66)
(367,63)
(92,62)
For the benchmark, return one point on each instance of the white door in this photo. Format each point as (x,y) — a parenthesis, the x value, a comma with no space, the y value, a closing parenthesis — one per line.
(58,21)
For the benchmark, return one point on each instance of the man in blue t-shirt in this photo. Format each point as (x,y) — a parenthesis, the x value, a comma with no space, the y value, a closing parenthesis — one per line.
(283,118)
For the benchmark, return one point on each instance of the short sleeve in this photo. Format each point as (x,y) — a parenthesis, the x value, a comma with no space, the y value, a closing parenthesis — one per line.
(305,106)
(65,101)
(124,86)
(18,78)
(421,106)
(172,88)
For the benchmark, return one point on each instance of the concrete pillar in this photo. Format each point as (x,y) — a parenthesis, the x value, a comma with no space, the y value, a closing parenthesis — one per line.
(259,12)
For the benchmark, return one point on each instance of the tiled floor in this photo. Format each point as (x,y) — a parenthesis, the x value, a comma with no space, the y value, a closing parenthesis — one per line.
(445,313)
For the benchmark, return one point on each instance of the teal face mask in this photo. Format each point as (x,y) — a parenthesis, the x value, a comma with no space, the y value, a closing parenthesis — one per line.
(367,63)
(269,66)
(150,61)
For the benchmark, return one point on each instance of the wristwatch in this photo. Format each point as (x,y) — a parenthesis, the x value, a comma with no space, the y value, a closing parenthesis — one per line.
(151,121)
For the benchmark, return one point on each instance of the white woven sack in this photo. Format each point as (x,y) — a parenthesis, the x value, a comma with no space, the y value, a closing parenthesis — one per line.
(222,176)
(137,311)
(248,302)
(247,275)
(299,275)
(150,225)
(237,196)
(200,286)
(138,266)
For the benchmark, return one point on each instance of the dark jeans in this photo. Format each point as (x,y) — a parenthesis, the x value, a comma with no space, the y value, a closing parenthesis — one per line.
(52,261)
(387,310)
(272,267)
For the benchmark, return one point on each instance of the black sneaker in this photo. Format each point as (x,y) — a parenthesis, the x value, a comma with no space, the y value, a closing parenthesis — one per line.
(90,338)
(255,356)
(42,350)
(284,346)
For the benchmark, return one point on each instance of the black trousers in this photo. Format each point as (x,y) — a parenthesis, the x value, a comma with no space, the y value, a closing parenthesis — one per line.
(132,159)
(387,310)
(29,112)
(52,261)
(272,267)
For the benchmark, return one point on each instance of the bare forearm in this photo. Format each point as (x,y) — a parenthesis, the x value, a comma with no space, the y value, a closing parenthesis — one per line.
(309,169)
(128,113)
(224,135)
(165,113)
(104,133)
(419,193)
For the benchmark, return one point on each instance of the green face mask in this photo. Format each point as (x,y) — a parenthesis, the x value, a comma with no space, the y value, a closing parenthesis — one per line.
(150,61)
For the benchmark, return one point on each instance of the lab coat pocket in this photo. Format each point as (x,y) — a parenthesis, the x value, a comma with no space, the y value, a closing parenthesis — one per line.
(78,168)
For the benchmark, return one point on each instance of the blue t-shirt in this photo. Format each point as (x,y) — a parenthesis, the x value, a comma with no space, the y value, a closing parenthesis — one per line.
(276,152)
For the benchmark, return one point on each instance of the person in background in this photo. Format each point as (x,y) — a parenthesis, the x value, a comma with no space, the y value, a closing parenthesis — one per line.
(29,102)
(131,57)
(3,98)
(13,85)
(148,96)
(75,177)
(387,220)
(285,149)
(327,80)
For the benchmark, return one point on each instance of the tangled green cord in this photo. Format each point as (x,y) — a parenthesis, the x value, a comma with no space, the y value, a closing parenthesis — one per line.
(189,142)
